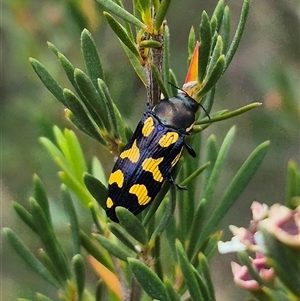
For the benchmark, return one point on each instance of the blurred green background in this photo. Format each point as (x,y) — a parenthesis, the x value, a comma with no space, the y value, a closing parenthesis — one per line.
(265,69)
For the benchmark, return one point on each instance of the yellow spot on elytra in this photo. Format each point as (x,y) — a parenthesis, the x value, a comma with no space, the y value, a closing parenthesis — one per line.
(168,139)
(141,192)
(176,158)
(151,165)
(109,203)
(132,154)
(148,127)
(116,177)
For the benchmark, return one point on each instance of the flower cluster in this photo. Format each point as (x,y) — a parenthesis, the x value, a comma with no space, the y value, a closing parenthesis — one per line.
(274,237)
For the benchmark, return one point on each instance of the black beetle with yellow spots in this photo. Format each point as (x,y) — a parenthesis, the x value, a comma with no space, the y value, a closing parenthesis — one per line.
(151,153)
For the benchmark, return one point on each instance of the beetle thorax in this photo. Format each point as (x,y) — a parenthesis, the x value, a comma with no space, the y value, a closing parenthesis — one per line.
(178,112)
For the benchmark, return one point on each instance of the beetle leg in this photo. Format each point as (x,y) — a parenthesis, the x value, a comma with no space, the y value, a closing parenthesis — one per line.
(171,180)
(190,150)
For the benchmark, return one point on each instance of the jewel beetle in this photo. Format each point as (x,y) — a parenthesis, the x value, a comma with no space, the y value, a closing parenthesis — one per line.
(153,150)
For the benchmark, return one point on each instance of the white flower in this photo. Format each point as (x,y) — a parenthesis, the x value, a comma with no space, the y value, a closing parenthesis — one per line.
(234,245)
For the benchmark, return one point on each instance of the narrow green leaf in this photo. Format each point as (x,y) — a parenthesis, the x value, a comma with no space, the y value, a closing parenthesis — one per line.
(196,227)
(113,248)
(68,203)
(122,236)
(211,244)
(96,188)
(98,170)
(217,52)
(173,80)
(270,294)
(41,197)
(62,145)
(211,154)
(117,10)
(25,216)
(238,34)
(156,202)
(236,186)
(48,80)
(168,214)
(161,14)
(100,288)
(76,123)
(87,108)
(171,233)
(156,254)
(46,261)
(207,103)
(41,297)
(227,115)
(204,270)
(201,285)
(214,40)
(191,44)
(218,12)
(136,64)
(91,246)
(65,63)
(55,153)
(28,257)
(132,225)
(99,109)
(127,24)
(75,105)
(194,174)
(120,31)
(156,4)
(148,280)
(186,204)
(225,29)
(46,234)
(105,95)
(80,108)
(79,271)
(205,46)
(213,25)
(173,296)
(91,57)
(214,77)
(166,60)
(143,5)
(292,184)
(160,81)
(122,127)
(188,273)
(150,44)
(210,187)
(53,48)
(72,152)
(67,176)
(75,185)
(128,133)
(76,159)
(96,217)
(109,111)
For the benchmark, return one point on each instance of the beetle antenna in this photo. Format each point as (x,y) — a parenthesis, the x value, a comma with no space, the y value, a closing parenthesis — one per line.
(190,97)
